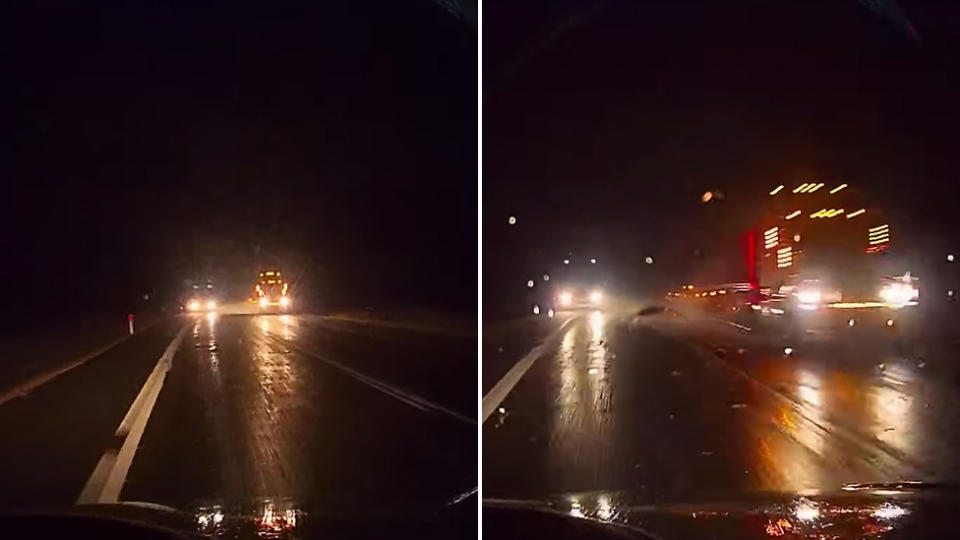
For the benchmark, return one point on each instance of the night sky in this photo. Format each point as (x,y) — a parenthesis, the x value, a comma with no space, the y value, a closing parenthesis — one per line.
(604,122)
(150,143)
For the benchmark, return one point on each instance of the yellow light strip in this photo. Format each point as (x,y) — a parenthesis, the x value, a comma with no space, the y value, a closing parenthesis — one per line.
(801,187)
(771,230)
(776,189)
(857,213)
(814,188)
(857,305)
(838,188)
(818,213)
(793,214)
(883,240)
(878,227)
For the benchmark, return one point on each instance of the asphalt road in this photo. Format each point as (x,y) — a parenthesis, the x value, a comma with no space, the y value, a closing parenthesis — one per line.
(319,412)
(677,409)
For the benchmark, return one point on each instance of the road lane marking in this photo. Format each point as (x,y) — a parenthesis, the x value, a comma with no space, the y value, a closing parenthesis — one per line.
(395,325)
(398,393)
(93,488)
(499,392)
(731,323)
(106,481)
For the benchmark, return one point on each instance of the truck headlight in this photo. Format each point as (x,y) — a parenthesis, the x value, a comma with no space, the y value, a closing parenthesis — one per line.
(596,297)
(264,302)
(566,298)
(898,293)
(212,304)
(193,305)
(809,297)
(285,301)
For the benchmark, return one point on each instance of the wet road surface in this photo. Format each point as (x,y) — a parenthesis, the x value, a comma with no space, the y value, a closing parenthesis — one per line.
(672,408)
(322,412)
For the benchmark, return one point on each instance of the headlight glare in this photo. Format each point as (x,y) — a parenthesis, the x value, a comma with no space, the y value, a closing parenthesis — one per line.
(898,293)
(809,297)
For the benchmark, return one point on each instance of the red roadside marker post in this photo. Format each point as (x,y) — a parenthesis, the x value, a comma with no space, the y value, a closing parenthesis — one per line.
(130,322)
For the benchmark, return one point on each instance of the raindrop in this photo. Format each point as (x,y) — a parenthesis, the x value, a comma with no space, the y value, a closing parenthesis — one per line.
(512,220)
(529,283)
(593,371)
(501,410)
(648,260)
(787,351)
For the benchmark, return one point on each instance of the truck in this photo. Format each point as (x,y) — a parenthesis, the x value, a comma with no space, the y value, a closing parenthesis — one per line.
(271,292)
(820,255)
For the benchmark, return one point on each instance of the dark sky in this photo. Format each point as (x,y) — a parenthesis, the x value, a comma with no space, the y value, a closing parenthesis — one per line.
(605,121)
(151,142)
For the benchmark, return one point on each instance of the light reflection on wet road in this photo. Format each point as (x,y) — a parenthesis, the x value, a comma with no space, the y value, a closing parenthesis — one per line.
(244,416)
(618,405)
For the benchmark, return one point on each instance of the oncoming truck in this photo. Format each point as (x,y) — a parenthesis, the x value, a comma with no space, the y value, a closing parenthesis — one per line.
(820,256)
(824,257)
(272,292)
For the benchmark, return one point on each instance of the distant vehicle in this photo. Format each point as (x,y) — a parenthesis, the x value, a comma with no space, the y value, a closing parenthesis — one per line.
(579,296)
(576,285)
(272,292)
(201,298)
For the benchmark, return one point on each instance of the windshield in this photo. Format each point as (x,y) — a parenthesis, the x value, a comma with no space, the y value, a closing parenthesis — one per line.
(763,187)
(245,247)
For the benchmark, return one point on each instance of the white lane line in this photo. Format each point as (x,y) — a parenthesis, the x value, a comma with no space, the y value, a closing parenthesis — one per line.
(106,481)
(499,392)
(733,324)
(93,488)
(406,397)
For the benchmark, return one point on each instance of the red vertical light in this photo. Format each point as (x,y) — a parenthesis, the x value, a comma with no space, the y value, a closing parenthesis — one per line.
(752,258)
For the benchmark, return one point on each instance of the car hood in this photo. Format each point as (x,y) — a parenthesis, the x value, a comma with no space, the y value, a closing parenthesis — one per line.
(256,518)
(856,511)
